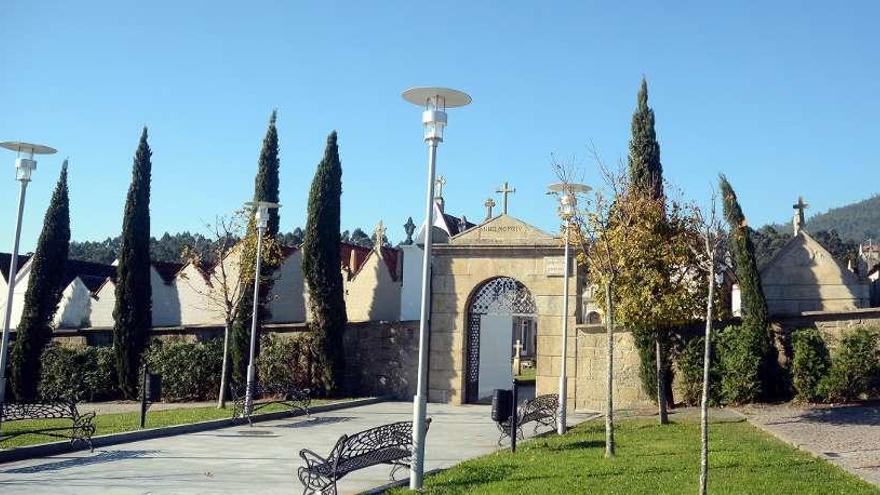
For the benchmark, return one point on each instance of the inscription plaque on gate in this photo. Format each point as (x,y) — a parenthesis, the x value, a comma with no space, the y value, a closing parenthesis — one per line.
(554,266)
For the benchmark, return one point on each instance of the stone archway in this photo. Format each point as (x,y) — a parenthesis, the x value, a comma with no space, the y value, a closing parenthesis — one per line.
(497,309)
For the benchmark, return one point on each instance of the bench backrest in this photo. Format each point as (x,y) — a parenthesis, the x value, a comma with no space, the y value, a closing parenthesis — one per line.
(394,435)
(542,406)
(12,411)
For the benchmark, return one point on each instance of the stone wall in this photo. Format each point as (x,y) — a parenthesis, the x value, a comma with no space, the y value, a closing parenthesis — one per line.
(382,358)
(832,325)
(592,370)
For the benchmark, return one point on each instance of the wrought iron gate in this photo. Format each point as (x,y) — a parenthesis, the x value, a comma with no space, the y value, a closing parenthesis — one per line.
(498,296)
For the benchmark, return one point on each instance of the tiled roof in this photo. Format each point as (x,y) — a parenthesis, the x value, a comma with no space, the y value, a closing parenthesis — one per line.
(453,223)
(92,274)
(167,270)
(352,263)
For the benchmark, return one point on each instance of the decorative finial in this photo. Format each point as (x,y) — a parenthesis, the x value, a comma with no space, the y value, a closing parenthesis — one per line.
(440,182)
(505,191)
(380,235)
(489,204)
(462,223)
(798,219)
(409,227)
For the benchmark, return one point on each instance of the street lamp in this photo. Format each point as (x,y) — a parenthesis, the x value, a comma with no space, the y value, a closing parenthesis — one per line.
(435,101)
(24,167)
(567,209)
(261,220)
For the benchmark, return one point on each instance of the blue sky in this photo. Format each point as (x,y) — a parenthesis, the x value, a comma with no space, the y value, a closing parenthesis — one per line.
(782,98)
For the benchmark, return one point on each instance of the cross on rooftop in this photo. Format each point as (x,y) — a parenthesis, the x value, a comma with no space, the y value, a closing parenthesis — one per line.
(505,191)
(380,233)
(440,182)
(489,204)
(799,221)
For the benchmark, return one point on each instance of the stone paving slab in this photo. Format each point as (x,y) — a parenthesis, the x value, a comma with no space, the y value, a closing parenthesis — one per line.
(242,459)
(848,436)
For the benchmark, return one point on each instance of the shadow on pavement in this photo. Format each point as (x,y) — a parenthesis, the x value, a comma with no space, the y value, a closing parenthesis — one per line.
(100,458)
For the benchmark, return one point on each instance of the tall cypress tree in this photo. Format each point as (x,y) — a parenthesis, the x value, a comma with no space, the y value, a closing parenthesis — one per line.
(134,305)
(645,169)
(43,293)
(755,316)
(321,264)
(266,188)
(646,178)
(754,306)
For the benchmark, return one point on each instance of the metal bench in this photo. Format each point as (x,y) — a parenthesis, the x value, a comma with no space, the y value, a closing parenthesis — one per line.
(291,397)
(387,444)
(81,428)
(542,410)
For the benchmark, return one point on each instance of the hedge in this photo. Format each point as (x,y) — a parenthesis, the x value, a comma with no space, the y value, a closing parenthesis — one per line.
(85,374)
(190,370)
(810,362)
(855,368)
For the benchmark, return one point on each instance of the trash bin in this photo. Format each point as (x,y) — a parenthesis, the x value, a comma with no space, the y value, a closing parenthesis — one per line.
(502,405)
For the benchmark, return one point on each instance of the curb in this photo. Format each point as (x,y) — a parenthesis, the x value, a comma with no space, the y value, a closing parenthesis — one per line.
(47,449)
(379,490)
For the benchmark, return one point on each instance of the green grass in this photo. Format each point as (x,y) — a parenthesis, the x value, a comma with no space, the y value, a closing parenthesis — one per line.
(127,421)
(527,375)
(650,460)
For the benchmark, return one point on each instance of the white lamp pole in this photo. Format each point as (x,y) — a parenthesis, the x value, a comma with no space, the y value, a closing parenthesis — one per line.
(567,209)
(24,167)
(435,101)
(261,220)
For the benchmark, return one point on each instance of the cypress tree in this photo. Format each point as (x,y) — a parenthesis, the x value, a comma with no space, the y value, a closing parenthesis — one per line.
(755,316)
(133,311)
(646,178)
(43,293)
(321,264)
(754,306)
(645,169)
(266,185)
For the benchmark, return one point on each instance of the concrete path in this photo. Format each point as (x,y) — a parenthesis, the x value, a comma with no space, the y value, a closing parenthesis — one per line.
(260,459)
(848,436)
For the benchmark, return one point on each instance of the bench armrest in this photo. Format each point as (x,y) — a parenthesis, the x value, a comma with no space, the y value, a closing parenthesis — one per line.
(312,459)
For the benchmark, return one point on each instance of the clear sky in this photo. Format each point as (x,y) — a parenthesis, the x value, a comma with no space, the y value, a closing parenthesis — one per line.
(780,96)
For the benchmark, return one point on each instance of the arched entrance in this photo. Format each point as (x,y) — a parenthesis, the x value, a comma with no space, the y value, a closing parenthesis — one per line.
(500,312)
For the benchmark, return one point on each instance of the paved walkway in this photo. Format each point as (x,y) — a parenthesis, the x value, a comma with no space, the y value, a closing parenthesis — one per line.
(260,459)
(848,436)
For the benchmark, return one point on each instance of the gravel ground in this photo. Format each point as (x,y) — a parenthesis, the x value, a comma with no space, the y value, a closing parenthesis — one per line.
(846,435)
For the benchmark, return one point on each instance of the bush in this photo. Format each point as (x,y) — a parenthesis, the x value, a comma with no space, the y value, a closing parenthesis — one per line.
(741,351)
(190,371)
(855,367)
(285,362)
(82,374)
(690,369)
(809,364)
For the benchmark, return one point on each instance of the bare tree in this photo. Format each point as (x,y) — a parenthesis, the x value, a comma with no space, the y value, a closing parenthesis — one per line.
(227,268)
(600,232)
(706,248)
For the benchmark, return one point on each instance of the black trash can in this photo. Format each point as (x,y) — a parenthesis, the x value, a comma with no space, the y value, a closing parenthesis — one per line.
(502,405)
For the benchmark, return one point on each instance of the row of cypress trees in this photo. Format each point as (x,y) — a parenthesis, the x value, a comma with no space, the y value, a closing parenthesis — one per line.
(133,309)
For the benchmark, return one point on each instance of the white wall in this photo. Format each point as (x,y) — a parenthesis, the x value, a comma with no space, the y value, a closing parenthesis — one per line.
(75,306)
(101,315)
(21,282)
(372,294)
(287,302)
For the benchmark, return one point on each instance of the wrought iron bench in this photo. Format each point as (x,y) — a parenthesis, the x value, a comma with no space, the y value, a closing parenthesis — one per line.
(291,397)
(542,410)
(387,444)
(81,428)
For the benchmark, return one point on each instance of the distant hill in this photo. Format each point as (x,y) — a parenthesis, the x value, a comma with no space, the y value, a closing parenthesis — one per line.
(855,222)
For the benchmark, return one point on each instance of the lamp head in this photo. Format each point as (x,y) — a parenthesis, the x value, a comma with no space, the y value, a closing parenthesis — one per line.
(261,212)
(25,165)
(435,101)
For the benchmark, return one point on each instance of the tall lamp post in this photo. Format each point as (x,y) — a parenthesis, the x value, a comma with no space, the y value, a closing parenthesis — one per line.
(261,220)
(566,193)
(24,167)
(435,101)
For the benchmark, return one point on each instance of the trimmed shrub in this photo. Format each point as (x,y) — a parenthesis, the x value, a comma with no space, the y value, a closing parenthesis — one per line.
(86,374)
(285,362)
(809,364)
(190,370)
(690,370)
(855,368)
(740,352)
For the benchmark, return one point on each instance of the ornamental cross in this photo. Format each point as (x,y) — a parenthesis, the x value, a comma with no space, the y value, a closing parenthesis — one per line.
(380,233)
(409,227)
(440,182)
(505,191)
(489,204)
(799,221)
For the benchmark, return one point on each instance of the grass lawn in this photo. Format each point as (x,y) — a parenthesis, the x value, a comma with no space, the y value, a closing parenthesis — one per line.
(650,460)
(128,421)
(527,375)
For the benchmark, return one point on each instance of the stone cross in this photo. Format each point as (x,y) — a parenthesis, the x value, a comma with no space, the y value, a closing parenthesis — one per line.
(489,204)
(799,221)
(409,227)
(517,357)
(380,234)
(440,182)
(504,191)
